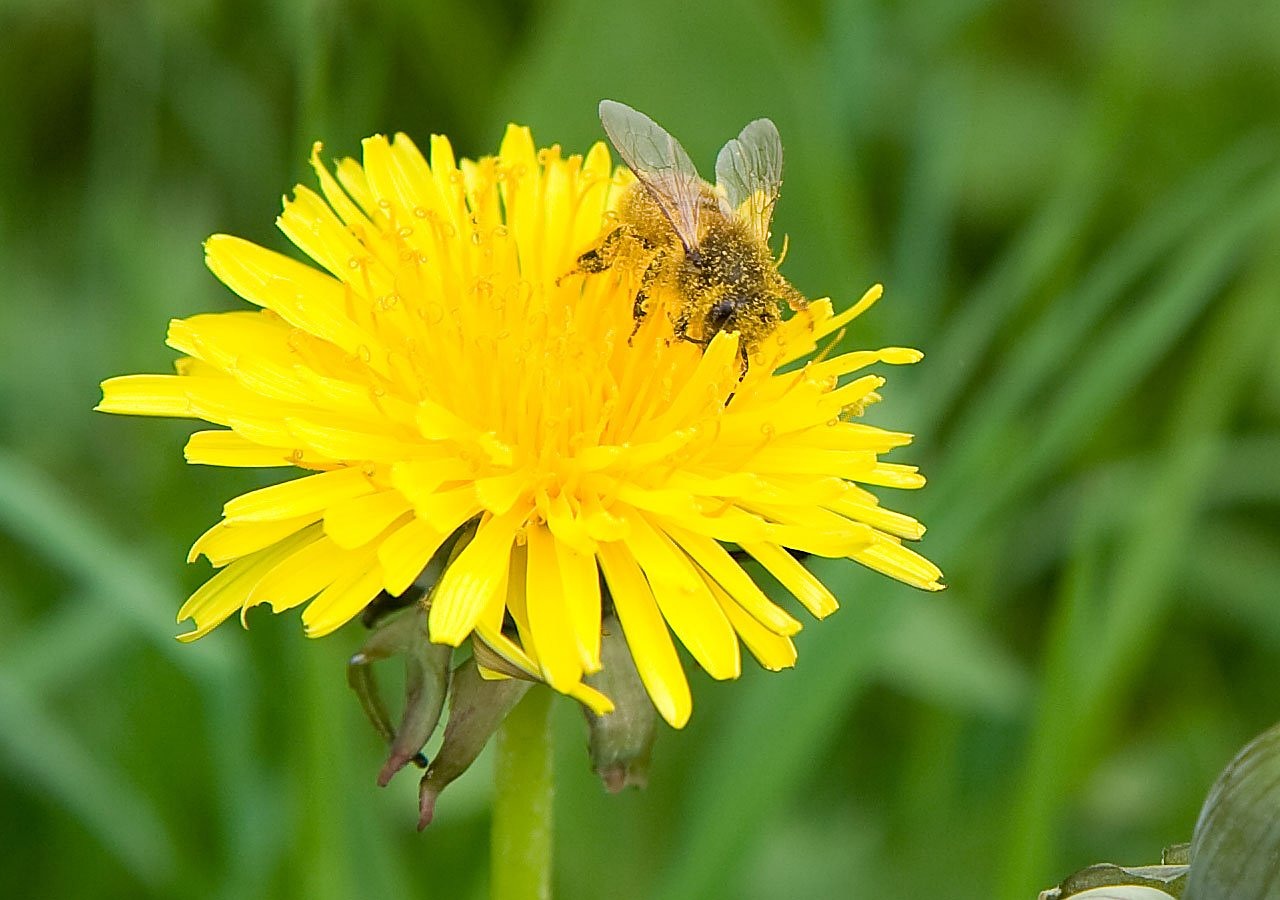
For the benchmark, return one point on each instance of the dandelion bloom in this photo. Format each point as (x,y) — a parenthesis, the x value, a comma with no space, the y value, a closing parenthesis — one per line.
(436,373)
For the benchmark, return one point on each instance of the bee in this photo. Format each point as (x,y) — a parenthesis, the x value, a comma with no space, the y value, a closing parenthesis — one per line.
(708,244)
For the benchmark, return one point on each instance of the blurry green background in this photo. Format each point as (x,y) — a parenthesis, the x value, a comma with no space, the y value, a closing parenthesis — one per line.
(1075,207)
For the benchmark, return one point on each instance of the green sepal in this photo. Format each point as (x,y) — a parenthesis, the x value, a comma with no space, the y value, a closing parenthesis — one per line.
(620,742)
(426,683)
(477,707)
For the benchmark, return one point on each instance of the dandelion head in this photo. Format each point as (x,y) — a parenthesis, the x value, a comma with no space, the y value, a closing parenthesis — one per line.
(446,393)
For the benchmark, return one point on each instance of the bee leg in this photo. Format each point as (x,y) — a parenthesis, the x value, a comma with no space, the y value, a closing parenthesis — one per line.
(798,303)
(600,257)
(639,309)
(681,328)
(795,299)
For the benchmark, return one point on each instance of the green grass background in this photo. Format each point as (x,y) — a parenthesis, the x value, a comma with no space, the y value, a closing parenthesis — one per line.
(1075,207)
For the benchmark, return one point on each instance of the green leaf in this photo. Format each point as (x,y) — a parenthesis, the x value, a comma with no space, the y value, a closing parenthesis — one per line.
(1235,850)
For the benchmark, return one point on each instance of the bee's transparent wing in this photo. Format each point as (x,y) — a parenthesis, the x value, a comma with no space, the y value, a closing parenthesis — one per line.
(661,165)
(749,171)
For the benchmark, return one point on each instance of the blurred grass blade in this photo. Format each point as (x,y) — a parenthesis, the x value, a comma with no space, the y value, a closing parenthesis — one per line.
(331,823)
(918,266)
(41,515)
(1126,352)
(1252,479)
(1012,281)
(937,652)
(1106,371)
(77,637)
(782,723)
(45,757)
(762,755)
(1232,577)
(1030,821)
(1128,613)
(1065,326)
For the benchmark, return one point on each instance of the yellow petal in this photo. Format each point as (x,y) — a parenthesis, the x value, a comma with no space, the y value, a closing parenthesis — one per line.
(567,526)
(227,448)
(499,493)
(600,523)
(301,575)
(730,523)
(347,444)
(869,511)
(354,522)
(252,347)
(334,193)
(842,435)
(581,579)
(302,296)
(406,552)
(446,510)
(795,578)
(299,497)
(147,395)
(814,529)
(860,359)
(419,479)
(349,593)
(313,227)
(226,541)
(772,650)
(516,600)
(685,601)
(797,348)
(721,567)
(893,475)
(646,633)
(226,592)
(899,562)
(472,578)
(705,390)
(550,626)
(512,661)
(589,697)
(851,465)
(351,176)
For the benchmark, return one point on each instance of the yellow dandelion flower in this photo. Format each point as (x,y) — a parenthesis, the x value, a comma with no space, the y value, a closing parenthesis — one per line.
(437,372)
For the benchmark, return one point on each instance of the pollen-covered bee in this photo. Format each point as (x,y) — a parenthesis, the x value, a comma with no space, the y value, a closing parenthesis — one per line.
(708,244)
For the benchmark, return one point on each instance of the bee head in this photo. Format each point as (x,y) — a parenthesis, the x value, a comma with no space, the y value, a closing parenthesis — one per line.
(718,316)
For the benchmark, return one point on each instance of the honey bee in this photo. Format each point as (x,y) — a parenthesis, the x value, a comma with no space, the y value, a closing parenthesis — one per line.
(708,244)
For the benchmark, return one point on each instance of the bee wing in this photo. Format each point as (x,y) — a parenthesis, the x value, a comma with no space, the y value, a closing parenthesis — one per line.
(749,170)
(661,165)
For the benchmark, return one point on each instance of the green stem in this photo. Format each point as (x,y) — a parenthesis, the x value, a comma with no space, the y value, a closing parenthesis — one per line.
(520,861)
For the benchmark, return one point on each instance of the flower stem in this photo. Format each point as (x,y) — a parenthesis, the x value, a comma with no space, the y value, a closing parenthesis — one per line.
(520,862)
